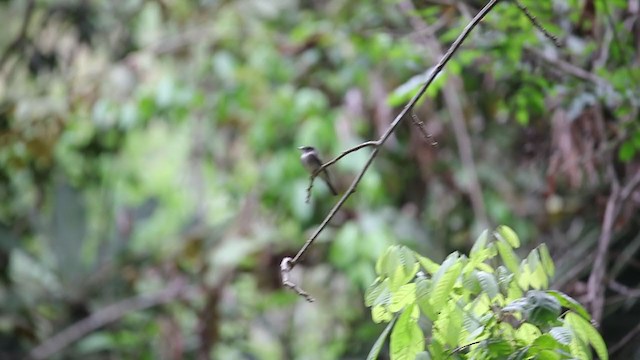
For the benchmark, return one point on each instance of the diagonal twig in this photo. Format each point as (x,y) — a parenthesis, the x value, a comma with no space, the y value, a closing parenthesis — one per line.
(392,127)
(176,289)
(537,24)
(333,161)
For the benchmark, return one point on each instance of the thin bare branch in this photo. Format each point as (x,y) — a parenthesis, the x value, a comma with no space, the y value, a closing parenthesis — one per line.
(454,103)
(22,34)
(392,127)
(333,161)
(617,198)
(537,24)
(285,269)
(571,69)
(425,134)
(620,344)
(106,315)
(624,290)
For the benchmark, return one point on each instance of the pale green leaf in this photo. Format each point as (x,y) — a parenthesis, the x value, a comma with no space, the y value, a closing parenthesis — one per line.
(488,283)
(404,296)
(588,333)
(562,335)
(504,232)
(407,339)
(379,313)
(480,244)
(428,265)
(444,284)
(546,260)
(372,292)
(569,303)
(509,258)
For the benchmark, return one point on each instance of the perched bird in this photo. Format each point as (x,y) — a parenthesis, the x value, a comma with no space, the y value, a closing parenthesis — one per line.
(312,162)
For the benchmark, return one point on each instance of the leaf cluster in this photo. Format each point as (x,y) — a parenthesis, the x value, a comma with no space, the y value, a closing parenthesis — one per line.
(490,304)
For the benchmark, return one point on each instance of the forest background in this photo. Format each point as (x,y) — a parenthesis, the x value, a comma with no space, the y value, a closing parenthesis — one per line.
(150,183)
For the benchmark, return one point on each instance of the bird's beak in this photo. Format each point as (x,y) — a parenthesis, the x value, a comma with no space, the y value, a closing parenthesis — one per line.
(300,147)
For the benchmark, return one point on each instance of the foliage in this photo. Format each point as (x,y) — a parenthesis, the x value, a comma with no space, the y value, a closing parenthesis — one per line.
(488,305)
(144,142)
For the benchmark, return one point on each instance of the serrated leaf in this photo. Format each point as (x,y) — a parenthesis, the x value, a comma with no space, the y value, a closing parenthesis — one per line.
(444,284)
(580,349)
(408,261)
(562,335)
(407,339)
(381,263)
(547,261)
(428,265)
(544,309)
(539,279)
(588,333)
(524,276)
(379,313)
(499,348)
(488,283)
(506,233)
(527,332)
(377,346)
(454,327)
(519,305)
(570,303)
(480,244)
(372,292)
(533,259)
(485,267)
(509,258)
(404,296)
(447,328)
(423,292)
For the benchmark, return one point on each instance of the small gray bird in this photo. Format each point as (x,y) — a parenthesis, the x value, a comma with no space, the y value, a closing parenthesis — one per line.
(312,162)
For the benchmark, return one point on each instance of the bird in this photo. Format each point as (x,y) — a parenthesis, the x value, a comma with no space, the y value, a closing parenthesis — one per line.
(312,162)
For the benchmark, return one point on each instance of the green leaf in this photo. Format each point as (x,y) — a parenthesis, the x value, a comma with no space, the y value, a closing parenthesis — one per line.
(443,284)
(533,259)
(407,339)
(506,233)
(588,333)
(423,292)
(499,348)
(570,303)
(404,296)
(480,244)
(539,279)
(547,262)
(544,342)
(400,276)
(527,332)
(379,313)
(377,346)
(544,309)
(428,265)
(390,261)
(562,335)
(488,283)
(509,258)
(372,292)
(627,151)
(448,327)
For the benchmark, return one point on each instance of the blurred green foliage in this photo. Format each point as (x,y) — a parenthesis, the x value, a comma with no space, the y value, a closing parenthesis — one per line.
(144,142)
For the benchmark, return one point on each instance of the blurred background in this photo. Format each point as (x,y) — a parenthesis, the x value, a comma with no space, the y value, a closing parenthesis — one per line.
(150,183)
